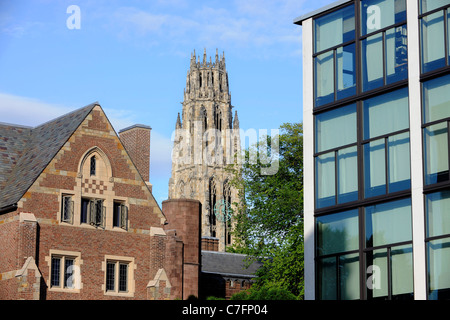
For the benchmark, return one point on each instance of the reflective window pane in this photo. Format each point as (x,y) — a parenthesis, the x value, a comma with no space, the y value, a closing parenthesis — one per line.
(372,62)
(432,41)
(388,223)
(377,260)
(435,140)
(336,128)
(335,28)
(399,173)
(347,175)
(348,269)
(345,71)
(324,78)
(325,180)
(386,113)
(396,54)
(374,168)
(438,255)
(378,14)
(349,277)
(436,99)
(327,279)
(428,5)
(448,35)
(402,271)
(337,232)
(438,213)
(396,261)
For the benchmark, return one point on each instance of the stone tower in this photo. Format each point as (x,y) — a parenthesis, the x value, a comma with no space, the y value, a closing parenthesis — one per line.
(206,140)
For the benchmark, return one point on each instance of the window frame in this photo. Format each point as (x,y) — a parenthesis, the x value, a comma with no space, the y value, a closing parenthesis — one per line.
(96,212)
(120,221)
(358,99)
(118,261)
(446,16)
(336,255)
(63,257)
(360,143)
(444,183)
(431,238)
(67,203)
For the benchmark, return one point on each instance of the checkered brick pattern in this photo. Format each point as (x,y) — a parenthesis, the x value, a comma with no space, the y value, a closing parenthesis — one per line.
(93,186)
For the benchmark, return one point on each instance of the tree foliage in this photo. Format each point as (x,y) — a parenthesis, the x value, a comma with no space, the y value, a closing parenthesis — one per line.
(269,216)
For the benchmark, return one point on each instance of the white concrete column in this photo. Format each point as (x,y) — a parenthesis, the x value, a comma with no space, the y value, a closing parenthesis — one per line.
(308,159)
(415,119)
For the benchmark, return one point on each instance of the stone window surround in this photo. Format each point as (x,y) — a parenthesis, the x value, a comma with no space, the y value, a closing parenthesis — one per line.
(108,195)
(77,263)
(131,282)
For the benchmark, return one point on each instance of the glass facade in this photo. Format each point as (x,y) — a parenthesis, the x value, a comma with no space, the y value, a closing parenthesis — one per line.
(384,56)
(367,116)
(434,34)
(337,249)
(438,244)
(335,59)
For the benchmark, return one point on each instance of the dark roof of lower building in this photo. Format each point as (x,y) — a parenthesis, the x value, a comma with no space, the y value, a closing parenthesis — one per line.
(229,264)
(25,152)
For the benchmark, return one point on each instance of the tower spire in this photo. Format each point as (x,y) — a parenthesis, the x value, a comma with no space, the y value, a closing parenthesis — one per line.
(178,124)
(236,120)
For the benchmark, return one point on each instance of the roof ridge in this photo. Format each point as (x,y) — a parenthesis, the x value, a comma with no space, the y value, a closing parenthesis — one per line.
(21,126)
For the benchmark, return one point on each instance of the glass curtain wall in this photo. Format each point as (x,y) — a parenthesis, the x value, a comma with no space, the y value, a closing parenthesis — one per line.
(338,257)
(335,56)
(434,34)
(388,233)
(384,56)
(386,143)
(436,117)
(336,161)
(362,152)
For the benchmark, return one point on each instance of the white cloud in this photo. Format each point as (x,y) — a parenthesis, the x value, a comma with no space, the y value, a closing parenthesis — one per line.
(160,155)
(254,24)
(28,111)
(33,112)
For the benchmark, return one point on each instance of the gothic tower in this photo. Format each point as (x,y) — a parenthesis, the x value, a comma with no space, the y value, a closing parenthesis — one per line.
(206,140)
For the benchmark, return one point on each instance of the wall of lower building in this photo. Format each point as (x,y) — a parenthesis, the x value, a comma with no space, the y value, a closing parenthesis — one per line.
(91,245)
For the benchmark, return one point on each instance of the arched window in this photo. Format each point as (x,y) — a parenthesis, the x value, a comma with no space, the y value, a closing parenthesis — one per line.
(93,166)
(212,205)
(227,210)
(204,118)
(218,118)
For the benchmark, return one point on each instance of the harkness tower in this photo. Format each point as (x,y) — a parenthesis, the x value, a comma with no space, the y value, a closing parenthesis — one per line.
(206,140)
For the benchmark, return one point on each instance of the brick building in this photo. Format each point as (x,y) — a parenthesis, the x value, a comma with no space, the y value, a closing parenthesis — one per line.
(78,219)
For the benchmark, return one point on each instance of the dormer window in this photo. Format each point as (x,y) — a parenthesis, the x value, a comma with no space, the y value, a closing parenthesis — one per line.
(93,166)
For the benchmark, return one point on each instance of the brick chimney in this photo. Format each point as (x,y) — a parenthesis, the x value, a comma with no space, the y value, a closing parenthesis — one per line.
(136,140)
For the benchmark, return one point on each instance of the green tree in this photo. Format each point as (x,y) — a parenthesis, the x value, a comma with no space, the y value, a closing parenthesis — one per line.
(269,216)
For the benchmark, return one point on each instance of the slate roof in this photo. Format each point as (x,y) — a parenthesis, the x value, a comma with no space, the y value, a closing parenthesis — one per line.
(25,151)
(228,264)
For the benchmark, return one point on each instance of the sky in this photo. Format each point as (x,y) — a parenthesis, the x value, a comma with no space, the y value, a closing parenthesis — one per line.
(133,56)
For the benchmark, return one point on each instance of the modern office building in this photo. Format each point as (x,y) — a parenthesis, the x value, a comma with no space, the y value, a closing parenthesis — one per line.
(376,116)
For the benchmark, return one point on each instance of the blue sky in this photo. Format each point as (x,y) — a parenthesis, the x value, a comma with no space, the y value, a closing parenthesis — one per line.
(133,56)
